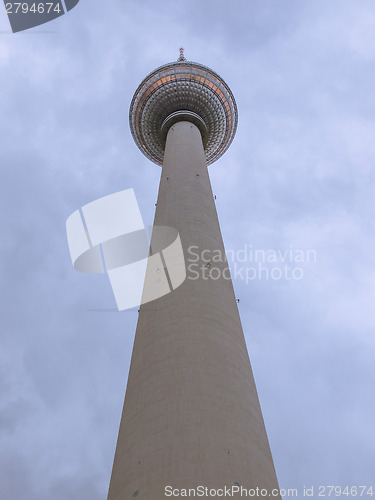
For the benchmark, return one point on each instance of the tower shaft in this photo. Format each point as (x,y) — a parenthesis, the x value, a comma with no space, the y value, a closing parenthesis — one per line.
(191,414)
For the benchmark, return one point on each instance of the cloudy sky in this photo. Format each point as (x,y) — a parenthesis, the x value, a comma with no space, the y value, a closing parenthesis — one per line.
(299,175)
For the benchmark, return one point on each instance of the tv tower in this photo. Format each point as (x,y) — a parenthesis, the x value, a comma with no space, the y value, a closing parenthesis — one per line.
(191,416)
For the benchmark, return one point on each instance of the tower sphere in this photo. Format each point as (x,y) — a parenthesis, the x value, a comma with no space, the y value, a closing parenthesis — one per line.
(188,91)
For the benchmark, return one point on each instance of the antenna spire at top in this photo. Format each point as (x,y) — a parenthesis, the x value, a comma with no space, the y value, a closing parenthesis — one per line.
(182,57)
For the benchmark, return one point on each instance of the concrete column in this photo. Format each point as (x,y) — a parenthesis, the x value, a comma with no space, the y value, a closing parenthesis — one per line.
(191,414)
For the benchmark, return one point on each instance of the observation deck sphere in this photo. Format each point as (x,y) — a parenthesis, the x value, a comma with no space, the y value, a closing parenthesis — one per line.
(183,90)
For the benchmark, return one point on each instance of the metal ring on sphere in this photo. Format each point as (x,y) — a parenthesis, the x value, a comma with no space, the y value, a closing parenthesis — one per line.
(184,115)
(186,87)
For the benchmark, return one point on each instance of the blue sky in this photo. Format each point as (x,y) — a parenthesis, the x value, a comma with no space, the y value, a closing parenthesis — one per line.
(300,173)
